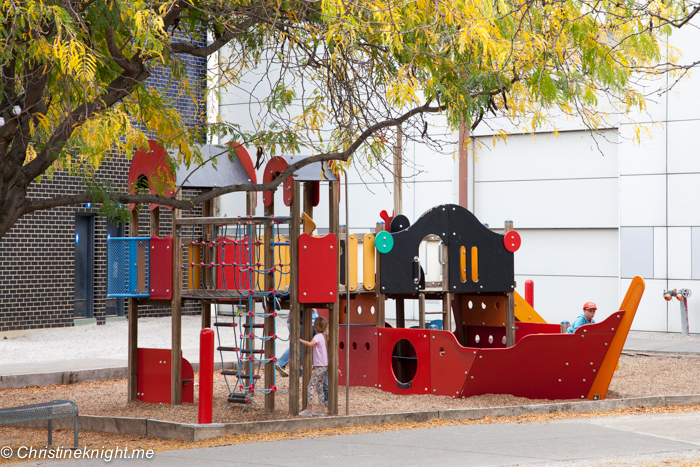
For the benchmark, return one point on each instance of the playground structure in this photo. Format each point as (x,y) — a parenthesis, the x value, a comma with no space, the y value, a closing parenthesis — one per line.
(246,262)
(500,344)
(262,265)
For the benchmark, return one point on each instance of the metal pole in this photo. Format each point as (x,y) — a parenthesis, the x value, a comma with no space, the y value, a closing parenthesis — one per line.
(347,300)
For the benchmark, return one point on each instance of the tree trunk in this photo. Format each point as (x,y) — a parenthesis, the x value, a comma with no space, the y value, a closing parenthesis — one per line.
(12,204)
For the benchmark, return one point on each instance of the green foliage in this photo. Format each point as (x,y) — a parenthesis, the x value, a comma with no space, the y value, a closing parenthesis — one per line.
(333,76)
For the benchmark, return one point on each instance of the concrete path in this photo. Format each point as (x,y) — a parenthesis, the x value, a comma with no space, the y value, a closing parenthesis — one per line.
(689,345)
(628,440)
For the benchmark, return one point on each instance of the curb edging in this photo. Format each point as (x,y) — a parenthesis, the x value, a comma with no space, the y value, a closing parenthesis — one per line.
(193,432)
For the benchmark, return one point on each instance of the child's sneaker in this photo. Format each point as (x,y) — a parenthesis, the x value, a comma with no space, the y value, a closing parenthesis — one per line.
(306,413)
(282,373)
(319,412)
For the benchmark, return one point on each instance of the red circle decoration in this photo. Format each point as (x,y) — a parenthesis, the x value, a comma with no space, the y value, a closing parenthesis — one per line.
(512,241)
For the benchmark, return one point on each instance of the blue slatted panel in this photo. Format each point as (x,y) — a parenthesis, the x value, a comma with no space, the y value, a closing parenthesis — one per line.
(127,266)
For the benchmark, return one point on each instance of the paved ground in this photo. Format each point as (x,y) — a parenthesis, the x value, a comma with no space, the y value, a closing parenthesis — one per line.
(629,440)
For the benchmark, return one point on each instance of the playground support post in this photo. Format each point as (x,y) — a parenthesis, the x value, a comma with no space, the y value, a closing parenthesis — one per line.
(447,296)
(176,305)
(463,175)
(510,304)
(447,308)
(400,313)
(510,319)
(133,325)
(270,307)
(294,305)
(421,311)
(307,311)
(459,317)
(398,163)
(249,344)
(155,222)
(206,255)
(378,287)
(206,375)
(347,302)
(333,312)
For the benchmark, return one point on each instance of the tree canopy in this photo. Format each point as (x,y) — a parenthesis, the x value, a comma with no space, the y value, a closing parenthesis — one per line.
(340,76)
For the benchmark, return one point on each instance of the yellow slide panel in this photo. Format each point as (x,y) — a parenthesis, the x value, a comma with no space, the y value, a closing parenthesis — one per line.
(524,312)
(281,256)
(194,274)
(607,368)
(260,258)
(368,273)
(309,224)
(352,257)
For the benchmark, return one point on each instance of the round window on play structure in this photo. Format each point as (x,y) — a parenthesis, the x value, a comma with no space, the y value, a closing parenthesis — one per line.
(404,362)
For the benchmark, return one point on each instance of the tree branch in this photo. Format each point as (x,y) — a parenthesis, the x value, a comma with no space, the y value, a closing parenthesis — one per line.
(39,205)
(32,206)
(196,51)
(117,90)
(337,156)
(117,54)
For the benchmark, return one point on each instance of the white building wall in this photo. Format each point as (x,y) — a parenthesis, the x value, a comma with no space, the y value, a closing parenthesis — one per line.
(562,194)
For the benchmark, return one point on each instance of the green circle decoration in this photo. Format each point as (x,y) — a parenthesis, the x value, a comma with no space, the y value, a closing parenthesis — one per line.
(384,242)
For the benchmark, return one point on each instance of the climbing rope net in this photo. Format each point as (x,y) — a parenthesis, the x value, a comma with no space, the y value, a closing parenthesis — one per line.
(231,268)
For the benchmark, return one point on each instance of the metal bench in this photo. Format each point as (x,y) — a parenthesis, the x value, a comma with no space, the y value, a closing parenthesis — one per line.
(44,411)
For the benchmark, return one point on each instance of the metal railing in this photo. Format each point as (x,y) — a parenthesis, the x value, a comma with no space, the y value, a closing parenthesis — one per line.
(44,411)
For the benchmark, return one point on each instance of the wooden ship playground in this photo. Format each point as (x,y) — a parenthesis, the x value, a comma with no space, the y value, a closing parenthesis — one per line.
(486,339)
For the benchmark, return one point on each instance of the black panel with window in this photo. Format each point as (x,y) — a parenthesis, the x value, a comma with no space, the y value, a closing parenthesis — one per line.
(84,266)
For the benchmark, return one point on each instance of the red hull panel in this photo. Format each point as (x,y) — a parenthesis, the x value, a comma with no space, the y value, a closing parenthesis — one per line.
(410,363)
(363,356)
(544,366)
(153,378)
(449,363)
(523,328)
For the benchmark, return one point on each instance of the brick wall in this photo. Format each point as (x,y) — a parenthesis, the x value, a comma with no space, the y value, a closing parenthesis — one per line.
(37,266)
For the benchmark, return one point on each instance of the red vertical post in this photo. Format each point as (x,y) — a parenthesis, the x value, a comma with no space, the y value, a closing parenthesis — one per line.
(530,293)
(206,374)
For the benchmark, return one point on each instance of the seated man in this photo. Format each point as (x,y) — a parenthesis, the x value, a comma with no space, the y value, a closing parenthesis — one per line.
(586,317)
